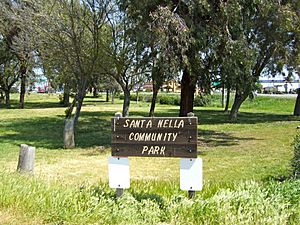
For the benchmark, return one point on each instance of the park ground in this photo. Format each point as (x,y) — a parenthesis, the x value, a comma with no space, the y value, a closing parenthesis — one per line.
(247,172)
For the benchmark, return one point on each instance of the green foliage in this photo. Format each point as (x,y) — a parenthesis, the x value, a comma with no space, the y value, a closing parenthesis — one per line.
(202,100)
(61,98)
(145,97)
(134,97)
(258,147)
(173,99)
(296,158)
(169,99)
(274,104)
(258,87)
(245,203)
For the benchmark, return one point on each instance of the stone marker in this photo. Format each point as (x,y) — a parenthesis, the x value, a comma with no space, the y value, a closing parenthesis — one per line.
(69,141)
(26,158)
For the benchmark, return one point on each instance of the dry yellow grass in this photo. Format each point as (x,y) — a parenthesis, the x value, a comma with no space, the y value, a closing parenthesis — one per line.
(12,217)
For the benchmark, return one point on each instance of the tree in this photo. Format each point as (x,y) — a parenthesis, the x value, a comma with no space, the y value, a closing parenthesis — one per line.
(170,41)
(8,68)
(71,34)
(296,59)
(18,31)
(126,62)
(57,72)
(8,77)
(163,33)
(202,26)
(111,86)
(265,34)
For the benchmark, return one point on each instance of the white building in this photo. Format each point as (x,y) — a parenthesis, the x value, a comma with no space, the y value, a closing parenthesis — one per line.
(279,83)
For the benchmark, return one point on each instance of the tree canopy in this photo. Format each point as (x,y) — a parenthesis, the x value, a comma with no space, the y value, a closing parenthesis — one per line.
(81,44)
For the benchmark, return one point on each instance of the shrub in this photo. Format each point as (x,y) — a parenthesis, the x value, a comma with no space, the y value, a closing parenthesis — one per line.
(148,98)
(202,100)
(121,96)
(169,99)
(14,90)
(133,97)
(142,97)
(296,158)
(61,99)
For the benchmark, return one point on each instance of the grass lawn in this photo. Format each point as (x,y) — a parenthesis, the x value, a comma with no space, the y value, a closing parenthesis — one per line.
(255,149)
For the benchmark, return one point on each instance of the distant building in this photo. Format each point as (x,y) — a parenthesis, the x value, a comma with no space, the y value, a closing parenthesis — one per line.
(41,85)
(279,84)
(168,86)
(171,86)
(147,87)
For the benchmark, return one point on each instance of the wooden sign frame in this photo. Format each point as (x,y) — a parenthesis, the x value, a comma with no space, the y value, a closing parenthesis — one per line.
(154,136)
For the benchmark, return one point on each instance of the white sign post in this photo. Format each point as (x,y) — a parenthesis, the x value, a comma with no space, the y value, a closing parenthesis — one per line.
(119,174)
(191,178)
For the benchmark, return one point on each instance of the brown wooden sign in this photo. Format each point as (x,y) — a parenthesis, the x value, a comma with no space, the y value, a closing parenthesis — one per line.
(155,137)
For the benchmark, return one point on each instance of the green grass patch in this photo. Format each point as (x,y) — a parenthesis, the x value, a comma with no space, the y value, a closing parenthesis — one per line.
(242,162)
(244,203)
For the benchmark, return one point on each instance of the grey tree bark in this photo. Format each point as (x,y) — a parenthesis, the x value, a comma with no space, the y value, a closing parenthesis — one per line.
(223,95)
(238,100)
(153,101)
(297,104)
(188,88)
(107,95)
(22,91)
(227,100)
(112,96)
(126,103)
(66,97)
(7,98)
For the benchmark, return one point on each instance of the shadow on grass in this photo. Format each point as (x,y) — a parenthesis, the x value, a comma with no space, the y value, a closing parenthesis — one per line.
(40,132)
(49,104)
(211,138)
(214,117)
(149,196)
(210,117)
(94,128)
(33,105)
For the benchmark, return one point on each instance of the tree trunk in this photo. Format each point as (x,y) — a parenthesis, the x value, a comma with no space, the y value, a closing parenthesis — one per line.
(81,96)
(95,92)
(69,140)
(107,95)
(69,136)
(66,97)
(1,97)
(112,96)
(238,100)
(137,97)
(223,95)
(22,91)
(297,104)
(153,101)
(126,103)
(187,93)
(227,100)
(70,123)
(7,98)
